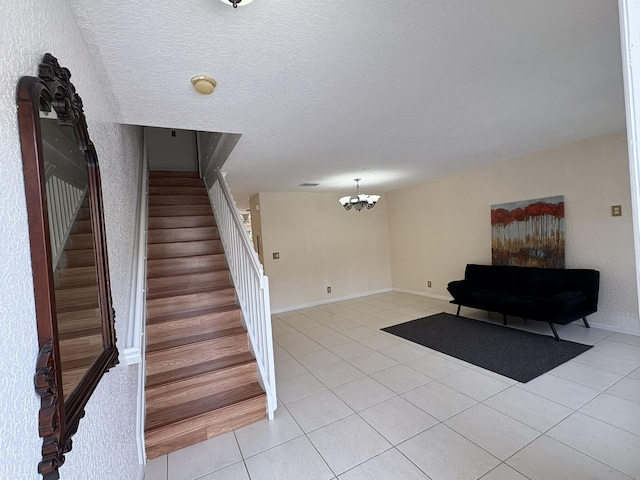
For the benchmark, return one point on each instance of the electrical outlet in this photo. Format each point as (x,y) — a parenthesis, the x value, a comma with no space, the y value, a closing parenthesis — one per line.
(428,283)
(276,255)
(616,210)
(328,289)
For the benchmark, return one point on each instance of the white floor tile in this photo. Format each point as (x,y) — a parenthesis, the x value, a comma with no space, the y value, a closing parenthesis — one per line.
(528,408)
(386,466)
(318,359)
(434,366)
(302,348)
(629,351)
(203,458)
(156,469)
(635,374)
(623,338)
(347,443)
(337,374)
(561,391)
(503,472)
(287,368)
(300,386)
(317,331)
(379,341)
(359,332)
(474,384)
(607,361)
(398,419)
(363,393)
(601,441)
(333,339)
(403,352)
(237,471)
(350,350)
(446,455)
(616,411)
(586,375)
(294,460)
(493,431)
(292,337)
(548,459)
(261,436)
(319,410)
(372,362)
(401,378)
(438,400)
(627,388)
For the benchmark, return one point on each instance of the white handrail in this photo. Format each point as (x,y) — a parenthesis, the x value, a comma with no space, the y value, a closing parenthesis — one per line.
(252,286)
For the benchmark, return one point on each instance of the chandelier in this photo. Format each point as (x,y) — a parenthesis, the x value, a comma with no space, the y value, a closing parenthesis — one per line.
(235,3)
(359,200)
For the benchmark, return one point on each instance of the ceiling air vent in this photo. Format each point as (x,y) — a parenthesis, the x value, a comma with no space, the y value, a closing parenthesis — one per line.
(307,184)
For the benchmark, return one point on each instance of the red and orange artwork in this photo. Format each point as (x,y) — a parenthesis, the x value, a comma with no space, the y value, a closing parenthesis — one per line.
(528,233)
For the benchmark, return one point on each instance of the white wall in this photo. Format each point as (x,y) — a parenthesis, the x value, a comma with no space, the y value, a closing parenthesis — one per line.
(105,443)
(170,153)
(437,227)
(320,245)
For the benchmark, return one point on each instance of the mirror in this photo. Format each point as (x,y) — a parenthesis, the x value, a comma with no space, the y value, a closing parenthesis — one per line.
(75,318)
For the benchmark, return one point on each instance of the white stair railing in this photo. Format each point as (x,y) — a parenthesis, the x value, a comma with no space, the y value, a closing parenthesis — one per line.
(252,286)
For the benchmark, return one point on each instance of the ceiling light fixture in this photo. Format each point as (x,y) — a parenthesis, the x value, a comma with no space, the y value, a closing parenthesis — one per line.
(235,3)
(203,84)
(359,200)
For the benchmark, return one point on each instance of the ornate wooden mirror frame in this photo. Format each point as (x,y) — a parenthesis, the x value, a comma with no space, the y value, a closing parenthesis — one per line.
(60,411)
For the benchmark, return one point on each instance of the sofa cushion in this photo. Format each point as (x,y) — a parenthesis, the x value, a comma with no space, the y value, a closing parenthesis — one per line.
(565,301)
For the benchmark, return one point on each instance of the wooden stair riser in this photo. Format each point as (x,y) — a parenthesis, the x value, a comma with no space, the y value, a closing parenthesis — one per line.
(168,190)
(78,241)
(176,393)
(81,226)
(175,182)
(158,307)
(82,347)
(153,174)
(181,222)
(183,327)
(78,298)
(78,320)
(183,284)
(172,235)
(158,200)
(75,277)
(179,210)
(184,249)
(168,266)
(77,258)
(173,437)
(191,354)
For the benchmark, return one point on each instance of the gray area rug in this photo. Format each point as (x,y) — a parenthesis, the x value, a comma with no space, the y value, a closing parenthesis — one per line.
(513,353)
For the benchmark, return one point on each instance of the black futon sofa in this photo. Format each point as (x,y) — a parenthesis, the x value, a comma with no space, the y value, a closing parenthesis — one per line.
(546,294)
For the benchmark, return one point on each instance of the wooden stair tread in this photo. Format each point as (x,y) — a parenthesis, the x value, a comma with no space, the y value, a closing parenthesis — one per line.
(185,221)
(179,210)
(200,337)
(183,314)
(177,272)
(198,369)
(203,405)
(183,234)
(196,263)
(196,289)
(173,174)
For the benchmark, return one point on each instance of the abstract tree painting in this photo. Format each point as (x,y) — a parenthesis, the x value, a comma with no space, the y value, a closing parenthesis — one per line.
(528,233)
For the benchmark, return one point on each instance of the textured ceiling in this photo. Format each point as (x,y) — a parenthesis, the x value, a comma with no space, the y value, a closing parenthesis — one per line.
(393,92)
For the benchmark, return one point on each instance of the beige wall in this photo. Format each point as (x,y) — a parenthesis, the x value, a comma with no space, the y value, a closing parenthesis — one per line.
(320,245)
(437,227)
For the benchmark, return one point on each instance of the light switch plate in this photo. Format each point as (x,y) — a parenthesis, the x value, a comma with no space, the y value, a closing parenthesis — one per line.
(616,210)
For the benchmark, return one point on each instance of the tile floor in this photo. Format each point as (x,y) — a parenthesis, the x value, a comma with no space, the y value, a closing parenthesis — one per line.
(356,403)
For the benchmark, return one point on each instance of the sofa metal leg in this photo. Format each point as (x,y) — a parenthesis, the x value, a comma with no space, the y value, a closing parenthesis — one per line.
(553,329)
(458,312)
(584,319)
(504,318)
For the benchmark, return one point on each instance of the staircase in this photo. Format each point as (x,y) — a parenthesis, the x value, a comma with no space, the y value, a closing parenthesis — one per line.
(77,311)
(201,378)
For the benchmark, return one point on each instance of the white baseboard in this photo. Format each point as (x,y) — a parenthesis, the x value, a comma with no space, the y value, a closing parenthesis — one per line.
(131,356)
(332,300)
(423,294)
(613,328)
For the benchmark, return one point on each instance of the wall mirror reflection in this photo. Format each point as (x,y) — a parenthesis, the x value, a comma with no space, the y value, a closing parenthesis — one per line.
(75,318)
